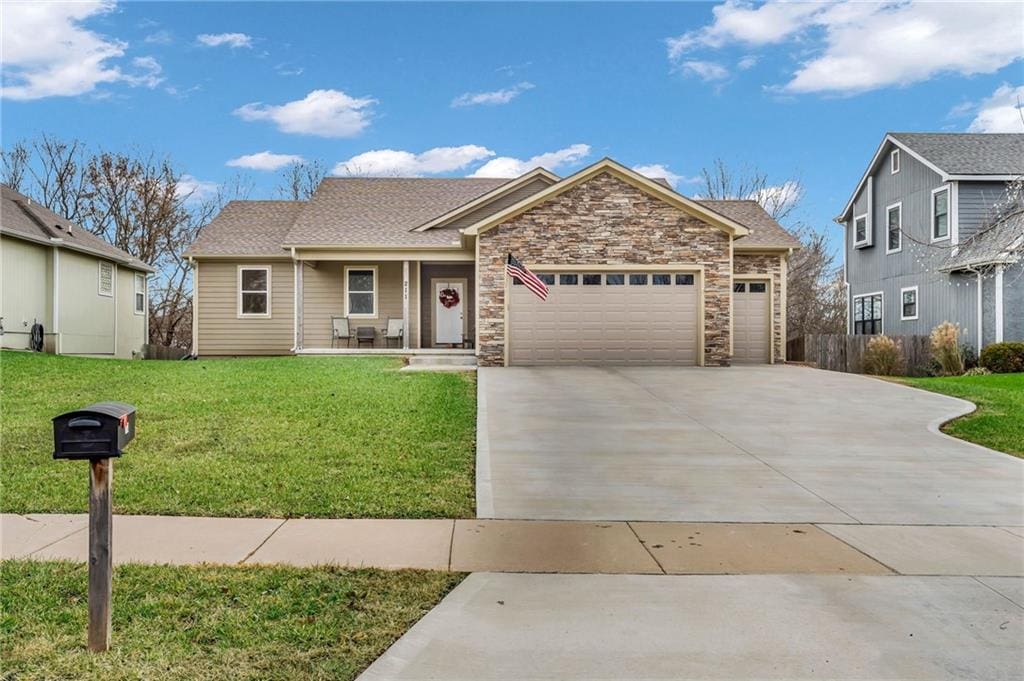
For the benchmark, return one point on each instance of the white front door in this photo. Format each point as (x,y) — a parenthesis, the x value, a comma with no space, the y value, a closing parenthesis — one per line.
(449,302)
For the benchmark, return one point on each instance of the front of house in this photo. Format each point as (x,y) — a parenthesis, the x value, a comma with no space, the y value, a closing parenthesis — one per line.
(637,273)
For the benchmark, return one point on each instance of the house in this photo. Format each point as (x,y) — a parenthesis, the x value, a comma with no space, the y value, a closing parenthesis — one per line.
(931,237)
(89,297)
(637,272)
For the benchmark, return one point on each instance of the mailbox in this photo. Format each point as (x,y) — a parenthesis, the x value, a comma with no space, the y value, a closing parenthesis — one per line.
(99,431)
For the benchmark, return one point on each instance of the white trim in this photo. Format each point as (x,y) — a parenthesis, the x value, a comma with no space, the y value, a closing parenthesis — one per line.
(894,161)
(899,231)
(867,295)
(917,304)
(983,178)
(296,266)
(99,278)
(954,213)
(866,241)
(376,286)
(949,214)
(405,304)
(195,306)
(56,298)
(136,291)
(116,315)
(238,291)
(999,304)
(981,326)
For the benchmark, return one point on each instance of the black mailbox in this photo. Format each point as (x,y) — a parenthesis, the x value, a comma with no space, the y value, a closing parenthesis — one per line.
(99,431)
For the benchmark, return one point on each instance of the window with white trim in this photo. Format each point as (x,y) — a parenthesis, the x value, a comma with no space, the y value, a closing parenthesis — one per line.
(361,291)
(940,214)
(860,230)
(894,161)
(254,291)
(867,314)
(106,279)
(894,228)
(140,293)
(908,303)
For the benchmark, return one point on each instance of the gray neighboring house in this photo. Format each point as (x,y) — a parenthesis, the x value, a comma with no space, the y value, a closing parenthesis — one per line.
(928,238)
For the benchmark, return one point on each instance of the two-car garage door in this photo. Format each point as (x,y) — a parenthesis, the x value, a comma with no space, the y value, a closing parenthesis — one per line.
(606,318)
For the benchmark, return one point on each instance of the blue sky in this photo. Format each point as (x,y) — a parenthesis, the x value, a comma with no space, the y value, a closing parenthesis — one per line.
(801,91)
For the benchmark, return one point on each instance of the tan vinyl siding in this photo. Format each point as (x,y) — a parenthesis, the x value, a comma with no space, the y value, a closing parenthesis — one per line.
(323,296)
(223,332)
(26,295)
(442,271)
(86,316)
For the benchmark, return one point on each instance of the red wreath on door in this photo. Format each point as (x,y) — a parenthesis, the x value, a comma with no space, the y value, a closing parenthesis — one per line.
(449,297)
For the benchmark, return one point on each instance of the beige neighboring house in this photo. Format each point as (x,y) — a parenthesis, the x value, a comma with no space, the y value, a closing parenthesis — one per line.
(89,296)
(637,273)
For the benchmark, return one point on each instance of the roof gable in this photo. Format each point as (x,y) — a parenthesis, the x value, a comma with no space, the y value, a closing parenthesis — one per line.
(482,201)
(631,177)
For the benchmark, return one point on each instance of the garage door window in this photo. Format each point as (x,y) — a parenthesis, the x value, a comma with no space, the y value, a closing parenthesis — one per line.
(739,288)
(591,279)
(615,279)
(758,288)
(568,279)
(548,279)
(638,280)
(684,280)
(661,279)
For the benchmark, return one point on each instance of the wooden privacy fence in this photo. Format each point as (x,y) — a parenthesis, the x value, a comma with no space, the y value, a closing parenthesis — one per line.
(837,352)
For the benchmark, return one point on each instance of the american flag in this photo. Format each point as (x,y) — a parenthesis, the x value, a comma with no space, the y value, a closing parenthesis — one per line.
(517,270)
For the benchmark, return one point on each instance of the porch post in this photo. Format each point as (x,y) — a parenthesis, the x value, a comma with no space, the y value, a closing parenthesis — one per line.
(300,267)
(405,304)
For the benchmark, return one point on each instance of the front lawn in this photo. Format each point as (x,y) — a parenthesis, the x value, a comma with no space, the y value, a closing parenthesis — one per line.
(999,421)
(209,622)
(280,437)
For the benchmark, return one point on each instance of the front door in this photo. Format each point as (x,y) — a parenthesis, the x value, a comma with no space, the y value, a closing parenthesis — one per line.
(449,303)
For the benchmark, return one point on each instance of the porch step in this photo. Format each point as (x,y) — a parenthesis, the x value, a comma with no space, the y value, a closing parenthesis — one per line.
(443,360)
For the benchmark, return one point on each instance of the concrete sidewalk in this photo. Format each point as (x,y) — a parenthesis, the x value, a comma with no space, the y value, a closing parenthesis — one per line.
(532,546)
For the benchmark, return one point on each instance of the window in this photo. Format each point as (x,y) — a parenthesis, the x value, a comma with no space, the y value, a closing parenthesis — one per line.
(940,214)
(615,279)
(140,293)
(684,280)
(106,281)
(361,291)
(591,279)
(860,230)
(894,228)
(894,161)
(908,303)
(739,287)
(661,279)
(568,279)
(548,279)
(254,291)
(867,314)
(758,287)
(638,280)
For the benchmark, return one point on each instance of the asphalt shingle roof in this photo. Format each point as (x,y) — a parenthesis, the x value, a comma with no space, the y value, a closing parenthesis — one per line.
(969,153)
(991,245)
(20,216)
(765,231)
(247,228)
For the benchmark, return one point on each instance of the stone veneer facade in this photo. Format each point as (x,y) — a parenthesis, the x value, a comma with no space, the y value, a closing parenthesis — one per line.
(604,221)
(770,265)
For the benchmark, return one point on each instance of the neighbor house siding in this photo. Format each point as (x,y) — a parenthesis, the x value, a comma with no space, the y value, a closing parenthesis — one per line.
(443,271)
(131,327)
(86,317)
(27,295)
(323,296)
(222,332)
(976,205)
(769,265)
(1013,302)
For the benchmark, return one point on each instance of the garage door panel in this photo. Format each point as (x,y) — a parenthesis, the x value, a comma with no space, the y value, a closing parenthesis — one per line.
(751,335)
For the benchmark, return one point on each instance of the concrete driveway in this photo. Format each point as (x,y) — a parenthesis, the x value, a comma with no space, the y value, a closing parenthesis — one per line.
(739,444)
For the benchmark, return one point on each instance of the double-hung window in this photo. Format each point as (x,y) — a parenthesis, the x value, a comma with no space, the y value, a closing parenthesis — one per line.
(867,314)
(253,291)
(940,214)
(140,293)
(908,303)
(860,231)
(894,228)
(361,291)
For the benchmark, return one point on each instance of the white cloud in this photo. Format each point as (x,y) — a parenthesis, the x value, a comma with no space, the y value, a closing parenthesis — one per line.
(193,189)
(861,46)
(778,199)
(394,162)
(162,37)
(1002,112)
(285,69)
(748,62)
(264,160)
(147,73)
(503,96)
(505,166)
(232,40)
(48,53)
(324,113)
(658,171)
(705,70)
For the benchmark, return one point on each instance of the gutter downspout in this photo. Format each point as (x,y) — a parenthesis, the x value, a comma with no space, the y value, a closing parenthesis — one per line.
(56,300)
(981,330)
(195,306)
(999,303)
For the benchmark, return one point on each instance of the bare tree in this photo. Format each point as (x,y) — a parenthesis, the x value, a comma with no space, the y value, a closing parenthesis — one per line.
(722,182)
(816,301)
(300,179)
(14,165)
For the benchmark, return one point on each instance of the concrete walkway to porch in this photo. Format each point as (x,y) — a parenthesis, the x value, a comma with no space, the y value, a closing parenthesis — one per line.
(532,546)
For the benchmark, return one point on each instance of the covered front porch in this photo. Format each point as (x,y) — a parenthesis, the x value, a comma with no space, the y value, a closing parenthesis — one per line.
(432,301)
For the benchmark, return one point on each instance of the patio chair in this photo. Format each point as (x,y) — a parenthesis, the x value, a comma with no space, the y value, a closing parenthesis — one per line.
(394,331)
(365,334)
(340,330)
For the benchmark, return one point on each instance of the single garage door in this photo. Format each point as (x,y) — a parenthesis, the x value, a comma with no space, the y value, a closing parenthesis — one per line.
(751,340)
(606,318)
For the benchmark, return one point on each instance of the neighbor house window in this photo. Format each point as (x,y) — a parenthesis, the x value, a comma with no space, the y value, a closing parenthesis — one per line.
(106,282)
(894,161)
(894,228)
(860,230)
(940,214)
(867,314)
(908,303)
(140,293)
(361,291)
(254,291)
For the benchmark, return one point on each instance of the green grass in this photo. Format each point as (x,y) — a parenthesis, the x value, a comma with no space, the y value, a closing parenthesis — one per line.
(999,421)
(209,622)
(280,437)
